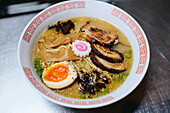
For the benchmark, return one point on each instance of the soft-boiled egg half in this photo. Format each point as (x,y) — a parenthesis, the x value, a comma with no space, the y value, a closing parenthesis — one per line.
(59,75)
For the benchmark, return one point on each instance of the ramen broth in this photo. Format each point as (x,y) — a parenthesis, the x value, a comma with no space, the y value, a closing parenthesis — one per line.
(73,91)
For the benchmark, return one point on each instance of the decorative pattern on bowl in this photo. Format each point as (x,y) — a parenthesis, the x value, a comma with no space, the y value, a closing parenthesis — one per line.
(101,10)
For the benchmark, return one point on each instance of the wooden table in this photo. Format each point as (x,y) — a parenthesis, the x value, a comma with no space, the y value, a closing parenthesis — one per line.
(151,96)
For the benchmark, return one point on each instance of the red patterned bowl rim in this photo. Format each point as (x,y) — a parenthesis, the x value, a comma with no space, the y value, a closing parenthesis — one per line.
(88,103)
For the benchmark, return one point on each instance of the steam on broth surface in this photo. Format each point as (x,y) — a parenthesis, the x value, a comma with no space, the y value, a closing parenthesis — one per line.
(104,67)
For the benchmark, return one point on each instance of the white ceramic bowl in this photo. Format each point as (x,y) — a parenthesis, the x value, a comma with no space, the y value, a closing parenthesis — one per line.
(101,10)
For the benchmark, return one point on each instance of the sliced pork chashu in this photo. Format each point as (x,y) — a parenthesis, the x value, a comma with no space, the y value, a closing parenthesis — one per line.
(107,54)
(105,65)
(99,36)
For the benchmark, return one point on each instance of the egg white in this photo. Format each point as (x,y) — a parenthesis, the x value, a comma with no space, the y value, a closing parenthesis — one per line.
(72,75)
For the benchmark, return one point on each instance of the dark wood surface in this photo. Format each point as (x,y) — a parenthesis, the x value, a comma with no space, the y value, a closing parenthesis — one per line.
(151,96)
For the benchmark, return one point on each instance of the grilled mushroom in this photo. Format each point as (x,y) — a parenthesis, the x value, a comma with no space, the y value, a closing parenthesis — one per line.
(99,36)
(107,54)
(105,65)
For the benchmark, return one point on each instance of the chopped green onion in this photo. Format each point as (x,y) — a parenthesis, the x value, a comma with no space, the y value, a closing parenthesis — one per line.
(116,74)
(82,97)
(114,79)
(119,78)
(54,29)
(80,92)
(125,74)
(40,72)
(128,54)
(106,90)
(41,79)
(74,20)
(37,66)
(94,89)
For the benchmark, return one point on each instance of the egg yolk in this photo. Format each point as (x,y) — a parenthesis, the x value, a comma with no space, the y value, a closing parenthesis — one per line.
(56,73)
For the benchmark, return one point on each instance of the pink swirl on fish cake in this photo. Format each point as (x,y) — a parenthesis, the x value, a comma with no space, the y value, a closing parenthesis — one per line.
(81,46)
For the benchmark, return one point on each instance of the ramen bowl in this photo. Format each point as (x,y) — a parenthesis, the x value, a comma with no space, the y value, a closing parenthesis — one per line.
(97,9)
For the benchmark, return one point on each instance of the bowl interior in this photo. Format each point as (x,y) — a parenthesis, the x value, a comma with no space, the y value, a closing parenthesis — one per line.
(103,11)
